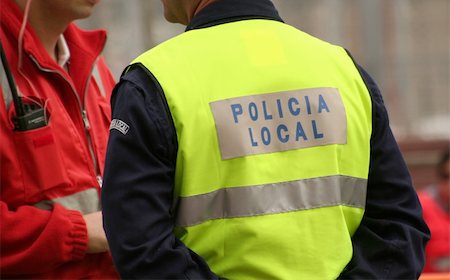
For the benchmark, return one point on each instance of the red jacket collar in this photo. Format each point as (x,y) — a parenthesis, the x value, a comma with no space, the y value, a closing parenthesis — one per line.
(85,46)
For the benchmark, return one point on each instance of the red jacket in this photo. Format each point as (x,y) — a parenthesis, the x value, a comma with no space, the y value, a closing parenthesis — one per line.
(49,174)
(438,248)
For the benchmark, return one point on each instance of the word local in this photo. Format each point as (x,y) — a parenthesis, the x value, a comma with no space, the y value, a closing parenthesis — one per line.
(283,120)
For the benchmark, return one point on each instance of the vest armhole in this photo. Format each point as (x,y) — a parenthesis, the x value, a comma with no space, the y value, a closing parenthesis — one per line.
(368,89)
(160,93)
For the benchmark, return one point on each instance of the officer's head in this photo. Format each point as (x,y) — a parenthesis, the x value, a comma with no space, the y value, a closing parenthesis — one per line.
(182,11)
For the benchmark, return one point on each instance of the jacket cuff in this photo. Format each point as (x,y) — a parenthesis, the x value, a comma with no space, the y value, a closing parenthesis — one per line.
(78,235)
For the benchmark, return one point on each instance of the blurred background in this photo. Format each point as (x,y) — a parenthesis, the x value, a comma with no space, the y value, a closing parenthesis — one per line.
(403,44)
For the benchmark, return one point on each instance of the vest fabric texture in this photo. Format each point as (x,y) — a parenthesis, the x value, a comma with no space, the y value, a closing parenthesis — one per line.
(252,101)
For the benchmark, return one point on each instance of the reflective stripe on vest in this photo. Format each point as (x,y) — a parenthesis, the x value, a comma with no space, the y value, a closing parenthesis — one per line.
(86,202)
(272,199)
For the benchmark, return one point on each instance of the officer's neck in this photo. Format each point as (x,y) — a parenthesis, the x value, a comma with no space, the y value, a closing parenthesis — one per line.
(47,26)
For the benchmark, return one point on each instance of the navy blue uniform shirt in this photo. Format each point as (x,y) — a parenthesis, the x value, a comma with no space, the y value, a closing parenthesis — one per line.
(139,177)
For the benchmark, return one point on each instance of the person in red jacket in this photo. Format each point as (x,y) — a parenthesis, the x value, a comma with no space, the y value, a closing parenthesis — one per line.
(435,201)
(52,142)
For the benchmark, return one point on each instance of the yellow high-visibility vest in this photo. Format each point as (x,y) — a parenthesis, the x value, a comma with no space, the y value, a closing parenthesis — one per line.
(273,130)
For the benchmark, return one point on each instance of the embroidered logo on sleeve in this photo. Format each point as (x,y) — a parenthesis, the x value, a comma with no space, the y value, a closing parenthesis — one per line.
(279,121)
(120,126)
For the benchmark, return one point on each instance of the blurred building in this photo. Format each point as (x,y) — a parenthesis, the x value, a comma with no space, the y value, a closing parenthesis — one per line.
(403,44)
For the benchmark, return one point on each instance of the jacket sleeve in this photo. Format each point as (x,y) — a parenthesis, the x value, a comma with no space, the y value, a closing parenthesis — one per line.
(390,242)
(138,186)
(32,240)
(36,241)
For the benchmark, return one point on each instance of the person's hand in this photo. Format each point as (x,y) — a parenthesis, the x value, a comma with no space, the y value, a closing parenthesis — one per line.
(97,242)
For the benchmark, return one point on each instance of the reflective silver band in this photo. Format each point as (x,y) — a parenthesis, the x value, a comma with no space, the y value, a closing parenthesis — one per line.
(98,79)
(272,199)
(85,201)
(7,95)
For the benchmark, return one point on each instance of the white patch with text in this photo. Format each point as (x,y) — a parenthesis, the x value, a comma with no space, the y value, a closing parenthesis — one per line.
(120,126)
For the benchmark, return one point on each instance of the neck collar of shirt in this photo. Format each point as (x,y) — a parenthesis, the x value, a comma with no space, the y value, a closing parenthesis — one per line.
(63,52)
(224,11)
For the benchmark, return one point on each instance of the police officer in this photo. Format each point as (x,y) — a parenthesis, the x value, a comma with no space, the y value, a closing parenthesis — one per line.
(252,150)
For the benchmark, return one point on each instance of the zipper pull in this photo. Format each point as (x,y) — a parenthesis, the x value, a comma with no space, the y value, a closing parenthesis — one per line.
(100,180)
(87,125)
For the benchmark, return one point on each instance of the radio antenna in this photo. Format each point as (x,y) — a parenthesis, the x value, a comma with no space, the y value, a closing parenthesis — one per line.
(12,85)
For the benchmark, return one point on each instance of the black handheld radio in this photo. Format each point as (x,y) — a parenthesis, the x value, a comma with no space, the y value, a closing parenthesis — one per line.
(28,116)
